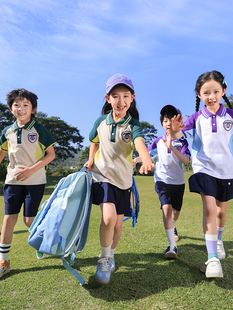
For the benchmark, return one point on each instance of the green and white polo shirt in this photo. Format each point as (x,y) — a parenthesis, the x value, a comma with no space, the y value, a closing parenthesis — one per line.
(113,160)
(25,145)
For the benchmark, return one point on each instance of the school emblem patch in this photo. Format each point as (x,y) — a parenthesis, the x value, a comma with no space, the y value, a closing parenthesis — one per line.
(32,137)
(177,145)
(227,125)
(126,136)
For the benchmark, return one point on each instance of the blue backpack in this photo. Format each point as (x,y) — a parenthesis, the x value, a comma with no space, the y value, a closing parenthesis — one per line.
(134,204)
(61,226)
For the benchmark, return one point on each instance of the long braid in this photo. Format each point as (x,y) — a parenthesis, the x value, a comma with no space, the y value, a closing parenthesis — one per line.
(197,103)
(227,101)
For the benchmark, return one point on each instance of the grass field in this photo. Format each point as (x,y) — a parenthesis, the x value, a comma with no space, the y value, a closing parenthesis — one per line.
(143,278)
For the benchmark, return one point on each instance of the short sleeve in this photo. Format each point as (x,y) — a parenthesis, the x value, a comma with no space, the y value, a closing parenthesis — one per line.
(45,137)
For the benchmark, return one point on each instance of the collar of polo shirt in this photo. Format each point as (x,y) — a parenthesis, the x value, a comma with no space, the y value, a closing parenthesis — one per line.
(123,122)
(206,113)
(27,126)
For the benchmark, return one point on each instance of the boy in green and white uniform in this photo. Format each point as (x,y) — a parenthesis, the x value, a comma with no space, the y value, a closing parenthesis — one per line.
(30,148)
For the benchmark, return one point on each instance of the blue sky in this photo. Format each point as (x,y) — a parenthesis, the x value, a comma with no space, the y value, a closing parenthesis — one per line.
(64,51)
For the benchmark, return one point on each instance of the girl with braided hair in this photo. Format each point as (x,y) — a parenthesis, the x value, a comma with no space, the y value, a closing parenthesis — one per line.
(212,161)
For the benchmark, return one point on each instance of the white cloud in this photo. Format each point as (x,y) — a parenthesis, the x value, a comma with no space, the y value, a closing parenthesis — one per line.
(85,33)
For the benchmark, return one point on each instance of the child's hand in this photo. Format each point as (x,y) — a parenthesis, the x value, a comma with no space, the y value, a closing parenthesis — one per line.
(134,162)
(24,174)
(168,142)
(177,123)
(146,167)
(89,165)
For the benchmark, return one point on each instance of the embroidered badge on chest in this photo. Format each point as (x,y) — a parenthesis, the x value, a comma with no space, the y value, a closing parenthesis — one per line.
(177,145)
(227,125)
(126,136)
(32,137)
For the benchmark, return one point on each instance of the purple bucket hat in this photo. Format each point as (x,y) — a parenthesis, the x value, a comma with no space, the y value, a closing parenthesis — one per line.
(171,108)
(118,79)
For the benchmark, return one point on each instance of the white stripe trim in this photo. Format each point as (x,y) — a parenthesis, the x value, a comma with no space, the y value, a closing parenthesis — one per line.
(211,237)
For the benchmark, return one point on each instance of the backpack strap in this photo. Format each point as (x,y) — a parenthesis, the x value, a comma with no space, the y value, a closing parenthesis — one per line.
(134,207)
(73,271)
(81,241)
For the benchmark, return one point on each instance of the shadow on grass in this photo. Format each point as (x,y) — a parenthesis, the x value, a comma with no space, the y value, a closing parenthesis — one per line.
(140,275)
(32,269)
(190,238)
(19,232)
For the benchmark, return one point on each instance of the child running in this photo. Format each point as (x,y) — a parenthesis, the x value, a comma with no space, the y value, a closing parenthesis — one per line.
(30,149)
(212,161)
(114,136)
(169,175)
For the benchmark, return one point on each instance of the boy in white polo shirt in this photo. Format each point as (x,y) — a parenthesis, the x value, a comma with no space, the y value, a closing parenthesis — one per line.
(169,175)
(30,149)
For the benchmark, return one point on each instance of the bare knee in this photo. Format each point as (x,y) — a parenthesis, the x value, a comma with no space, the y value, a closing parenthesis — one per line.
(167,210)
(109,215)
(28,221)
(118,226)
(109,221)
(210,212)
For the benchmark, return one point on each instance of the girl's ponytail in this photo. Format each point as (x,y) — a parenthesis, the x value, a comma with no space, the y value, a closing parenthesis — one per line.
(197,103)
(227,101)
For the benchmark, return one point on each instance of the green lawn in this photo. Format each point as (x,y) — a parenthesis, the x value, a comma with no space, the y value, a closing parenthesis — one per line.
(143,279)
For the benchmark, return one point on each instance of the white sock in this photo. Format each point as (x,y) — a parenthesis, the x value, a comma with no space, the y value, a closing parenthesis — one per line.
(4,251)
(112,251)
(170,237)
(105,251)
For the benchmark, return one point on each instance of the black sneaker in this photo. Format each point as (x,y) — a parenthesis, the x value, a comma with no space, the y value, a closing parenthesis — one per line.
(176,235)
(171,252)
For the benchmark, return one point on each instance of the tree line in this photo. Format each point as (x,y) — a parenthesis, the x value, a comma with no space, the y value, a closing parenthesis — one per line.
(69,140)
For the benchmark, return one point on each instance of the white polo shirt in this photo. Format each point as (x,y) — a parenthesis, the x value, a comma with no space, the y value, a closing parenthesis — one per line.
(212,148)
(168,168)
(113,160)
(26,146)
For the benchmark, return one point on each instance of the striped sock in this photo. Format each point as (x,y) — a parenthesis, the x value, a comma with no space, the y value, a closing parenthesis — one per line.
(4,251)
(220,232)
(211,245)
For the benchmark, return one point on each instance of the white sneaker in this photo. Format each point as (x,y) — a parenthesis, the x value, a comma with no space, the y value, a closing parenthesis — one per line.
(171,252)
(220,250)
(214,268)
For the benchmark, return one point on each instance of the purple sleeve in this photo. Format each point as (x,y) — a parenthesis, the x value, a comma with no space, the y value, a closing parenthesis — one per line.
(191,121)
(185,148)
(154,144)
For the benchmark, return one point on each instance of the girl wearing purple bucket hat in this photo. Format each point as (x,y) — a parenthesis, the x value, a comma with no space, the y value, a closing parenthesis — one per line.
(113,137)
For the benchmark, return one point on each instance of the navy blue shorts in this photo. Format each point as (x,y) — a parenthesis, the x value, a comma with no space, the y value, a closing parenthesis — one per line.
(29,195)
(106,192)
(222,190)
(170,194)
